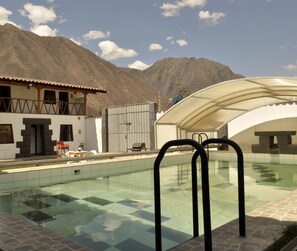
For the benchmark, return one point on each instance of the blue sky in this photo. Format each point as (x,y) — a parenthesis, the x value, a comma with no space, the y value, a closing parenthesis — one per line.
(252,37)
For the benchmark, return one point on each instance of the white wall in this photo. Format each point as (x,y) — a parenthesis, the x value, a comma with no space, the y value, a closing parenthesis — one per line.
(94,134)
(268,118)
(259,116)
(247,137)
(164,133)
(8,151)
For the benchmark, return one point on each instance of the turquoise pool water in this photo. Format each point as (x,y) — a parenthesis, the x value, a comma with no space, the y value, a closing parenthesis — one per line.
(117,212)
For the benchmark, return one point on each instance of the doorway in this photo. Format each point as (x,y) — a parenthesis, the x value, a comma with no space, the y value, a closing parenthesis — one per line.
(63,103)
(37,140)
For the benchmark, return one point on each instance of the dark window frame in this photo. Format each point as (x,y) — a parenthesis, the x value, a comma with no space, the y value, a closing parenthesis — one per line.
(66,132)
(49,97)
(9,138)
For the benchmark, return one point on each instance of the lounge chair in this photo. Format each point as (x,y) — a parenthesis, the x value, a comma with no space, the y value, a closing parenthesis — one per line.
(61,146)
(137,147)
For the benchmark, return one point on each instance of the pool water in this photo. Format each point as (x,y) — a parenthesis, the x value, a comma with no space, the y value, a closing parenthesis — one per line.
(117,212)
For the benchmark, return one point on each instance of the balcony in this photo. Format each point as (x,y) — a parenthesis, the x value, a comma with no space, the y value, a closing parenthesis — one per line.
(13,105)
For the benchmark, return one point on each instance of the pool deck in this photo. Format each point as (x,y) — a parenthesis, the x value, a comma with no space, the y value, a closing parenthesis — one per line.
(19,235)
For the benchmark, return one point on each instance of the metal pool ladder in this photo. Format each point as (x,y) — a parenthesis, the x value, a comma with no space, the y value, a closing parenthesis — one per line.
(205,192)
(240,179)
(205,188)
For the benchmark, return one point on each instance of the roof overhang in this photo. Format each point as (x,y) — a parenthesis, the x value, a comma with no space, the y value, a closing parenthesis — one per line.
(211,108)
(48,84)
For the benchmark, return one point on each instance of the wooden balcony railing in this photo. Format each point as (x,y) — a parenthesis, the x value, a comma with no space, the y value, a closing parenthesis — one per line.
(14,105)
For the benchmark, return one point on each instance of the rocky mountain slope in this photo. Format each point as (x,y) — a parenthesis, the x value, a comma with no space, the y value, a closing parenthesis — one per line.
(187,75)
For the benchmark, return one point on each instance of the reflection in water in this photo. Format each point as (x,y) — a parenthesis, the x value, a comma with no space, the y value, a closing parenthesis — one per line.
(102,227)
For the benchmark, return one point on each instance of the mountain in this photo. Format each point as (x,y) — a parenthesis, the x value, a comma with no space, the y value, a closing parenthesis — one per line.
(25,54)
(173,76)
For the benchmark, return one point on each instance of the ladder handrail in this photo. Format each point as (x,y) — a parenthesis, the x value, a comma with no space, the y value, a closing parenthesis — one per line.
(205,192)
(240,174)
(199,136)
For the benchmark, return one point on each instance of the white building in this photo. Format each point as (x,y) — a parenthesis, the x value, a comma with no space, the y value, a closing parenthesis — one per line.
(34,114)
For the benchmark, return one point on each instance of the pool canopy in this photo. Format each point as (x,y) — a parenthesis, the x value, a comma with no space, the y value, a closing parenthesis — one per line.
(213,107)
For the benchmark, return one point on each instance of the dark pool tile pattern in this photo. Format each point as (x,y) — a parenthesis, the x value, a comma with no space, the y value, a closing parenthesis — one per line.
(47,208)
(133,245)
(134,204)
(272,180)
(131,234)
(85,240)
(37,204)
(148,216)
(173,235)
(64,197)
(38,216)
(98,201)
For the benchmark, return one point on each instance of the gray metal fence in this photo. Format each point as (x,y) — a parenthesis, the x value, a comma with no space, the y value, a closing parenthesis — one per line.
(124,126)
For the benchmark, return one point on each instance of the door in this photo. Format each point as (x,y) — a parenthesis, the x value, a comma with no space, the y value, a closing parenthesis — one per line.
(63,103)
(37,140)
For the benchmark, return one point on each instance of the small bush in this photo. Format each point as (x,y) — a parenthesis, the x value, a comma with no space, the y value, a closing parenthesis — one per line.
(288,234)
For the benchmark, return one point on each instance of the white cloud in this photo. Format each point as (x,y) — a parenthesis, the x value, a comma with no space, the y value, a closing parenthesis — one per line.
(291,67)
(173,9)
(93,34)
(138,65)
(182,42)
(155,47)
(44,30)
(4,16)
(210,18)
(38,14)
(170,40)
(111,51)
(75,41)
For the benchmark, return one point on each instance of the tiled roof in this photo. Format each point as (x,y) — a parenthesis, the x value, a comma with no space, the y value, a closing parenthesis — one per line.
(51,84)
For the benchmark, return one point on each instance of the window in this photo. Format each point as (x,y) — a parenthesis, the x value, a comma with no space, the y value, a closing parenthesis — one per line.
(49,97)
(66,133)
(5,99)
(6,135)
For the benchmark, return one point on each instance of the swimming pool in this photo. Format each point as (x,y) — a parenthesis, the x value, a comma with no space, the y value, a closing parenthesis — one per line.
(117,213)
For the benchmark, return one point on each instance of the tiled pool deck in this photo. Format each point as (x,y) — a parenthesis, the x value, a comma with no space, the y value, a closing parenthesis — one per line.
(19,235)
(263,225)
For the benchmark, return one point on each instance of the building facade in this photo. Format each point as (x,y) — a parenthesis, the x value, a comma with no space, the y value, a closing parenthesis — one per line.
(35,114)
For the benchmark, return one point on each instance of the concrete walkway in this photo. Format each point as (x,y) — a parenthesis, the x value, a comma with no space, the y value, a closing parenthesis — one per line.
(263,226)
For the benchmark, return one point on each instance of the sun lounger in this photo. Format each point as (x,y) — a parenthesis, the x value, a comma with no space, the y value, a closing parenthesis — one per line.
(137,147)
(61,146)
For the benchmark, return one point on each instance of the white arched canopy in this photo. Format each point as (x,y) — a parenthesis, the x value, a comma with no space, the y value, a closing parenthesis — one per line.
(211,108)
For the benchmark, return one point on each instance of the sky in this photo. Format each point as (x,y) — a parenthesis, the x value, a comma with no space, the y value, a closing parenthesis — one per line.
(252,37)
